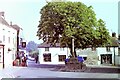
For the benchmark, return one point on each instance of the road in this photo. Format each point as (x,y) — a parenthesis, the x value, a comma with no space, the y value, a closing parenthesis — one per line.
(46,71)
(92,69)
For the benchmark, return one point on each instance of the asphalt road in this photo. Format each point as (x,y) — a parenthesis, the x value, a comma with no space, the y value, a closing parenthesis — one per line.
(92,69)
(105,70)
(45,71)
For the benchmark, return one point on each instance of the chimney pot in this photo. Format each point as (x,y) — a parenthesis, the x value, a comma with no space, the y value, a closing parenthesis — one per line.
(113,34)
(2,14)
(11,23)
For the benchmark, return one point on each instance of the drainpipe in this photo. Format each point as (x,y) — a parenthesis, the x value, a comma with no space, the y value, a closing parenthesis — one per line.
(114,56)
(17,41)
(3,58)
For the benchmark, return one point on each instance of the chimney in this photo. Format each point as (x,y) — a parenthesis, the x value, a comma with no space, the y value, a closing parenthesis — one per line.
(119,37)
(113,34)
(2,14)
(11,23)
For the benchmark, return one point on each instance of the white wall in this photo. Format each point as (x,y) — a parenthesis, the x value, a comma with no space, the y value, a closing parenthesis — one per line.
(56,51)
(12,33)
(54,55)
(102,50)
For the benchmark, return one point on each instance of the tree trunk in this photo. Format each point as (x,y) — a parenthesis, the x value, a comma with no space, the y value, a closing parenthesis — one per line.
(73,53)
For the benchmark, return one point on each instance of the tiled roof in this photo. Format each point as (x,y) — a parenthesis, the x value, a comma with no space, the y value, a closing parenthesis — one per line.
(115,42)
(15,27)
(3,21)
(45,44)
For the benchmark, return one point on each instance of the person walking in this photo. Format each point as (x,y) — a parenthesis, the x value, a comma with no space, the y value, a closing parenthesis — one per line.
(36,59)
(24,63)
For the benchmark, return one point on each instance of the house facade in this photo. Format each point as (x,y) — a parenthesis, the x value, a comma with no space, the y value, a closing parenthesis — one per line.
(97,56)
(52,55)
(100,56)
(21,42)
(8,38)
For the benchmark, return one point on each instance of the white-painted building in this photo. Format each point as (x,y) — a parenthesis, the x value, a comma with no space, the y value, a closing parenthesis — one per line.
(100,56)
(20,39)
(52,55)
(57,55)
(8,37)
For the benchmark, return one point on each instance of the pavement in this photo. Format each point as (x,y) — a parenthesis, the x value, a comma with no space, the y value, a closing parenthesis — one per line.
(33,71)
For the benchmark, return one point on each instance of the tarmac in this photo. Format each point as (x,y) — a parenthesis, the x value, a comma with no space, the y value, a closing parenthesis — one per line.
(35,72)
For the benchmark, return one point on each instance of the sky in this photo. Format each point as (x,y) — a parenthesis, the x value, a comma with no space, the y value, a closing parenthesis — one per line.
(26,14)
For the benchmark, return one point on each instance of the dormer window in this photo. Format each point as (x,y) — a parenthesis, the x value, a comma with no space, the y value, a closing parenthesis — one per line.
(93,48)
(108,49)
(46,48)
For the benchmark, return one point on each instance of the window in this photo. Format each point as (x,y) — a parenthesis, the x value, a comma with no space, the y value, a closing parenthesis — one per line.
(85,58)
(62,49)
(3,38)
(47,57)
(118,51)
(23,44)
(93,48)
(61,58)
(0,57)
(108,49)
(21,40)
(12,56)
(13,40)
(8,39)
(47,49)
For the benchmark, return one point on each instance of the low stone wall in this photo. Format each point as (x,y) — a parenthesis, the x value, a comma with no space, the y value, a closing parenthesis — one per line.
(117,60)
(74,64)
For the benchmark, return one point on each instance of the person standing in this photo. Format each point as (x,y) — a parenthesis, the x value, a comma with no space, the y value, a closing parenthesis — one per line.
(36,59)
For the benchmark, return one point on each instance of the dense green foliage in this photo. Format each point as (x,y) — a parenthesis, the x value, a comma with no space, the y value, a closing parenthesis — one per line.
(71,19)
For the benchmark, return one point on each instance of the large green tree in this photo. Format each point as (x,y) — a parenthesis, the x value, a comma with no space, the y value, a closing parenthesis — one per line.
(71,20)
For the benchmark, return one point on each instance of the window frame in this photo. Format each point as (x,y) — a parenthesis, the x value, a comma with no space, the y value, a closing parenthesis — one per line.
(108,49)
(47,57)
(46,48)
(9,39)
(61,58)
(3,38)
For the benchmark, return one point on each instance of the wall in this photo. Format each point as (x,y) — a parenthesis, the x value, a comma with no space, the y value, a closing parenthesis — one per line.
(54,55)
(102,50)
(12,33)
(85,53)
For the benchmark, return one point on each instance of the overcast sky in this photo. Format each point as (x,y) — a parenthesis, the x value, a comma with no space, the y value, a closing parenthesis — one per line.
(25,13)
